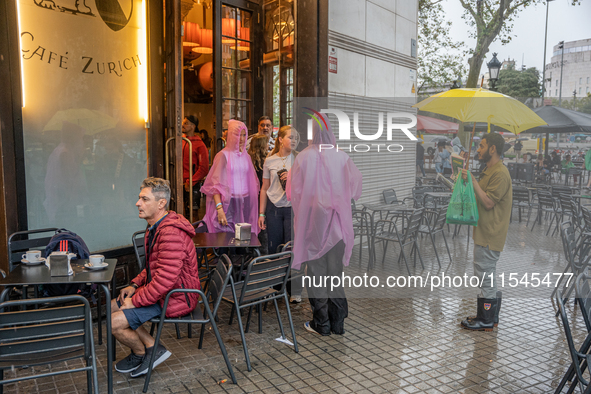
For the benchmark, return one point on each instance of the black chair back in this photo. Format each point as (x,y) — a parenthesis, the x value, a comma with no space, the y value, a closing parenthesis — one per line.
(586,213)
(200,226)
(266,272)
(545,200)
(521,195)
(583,291)
(219,280)
(139,246)
(390,196)
(439,221)
(45,336)
(413,225)
(20,242)
(558,190)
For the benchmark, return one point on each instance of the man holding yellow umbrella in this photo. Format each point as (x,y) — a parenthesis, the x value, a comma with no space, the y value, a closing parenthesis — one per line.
(493,191)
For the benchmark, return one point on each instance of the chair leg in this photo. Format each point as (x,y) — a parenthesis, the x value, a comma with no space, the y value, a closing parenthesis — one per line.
(201,336)
(419,253)
(178,331)
(221,344)
(404,256)
(248,320)
(279,318)
(384,255)
(447,246)
(260,310)
(190,330)
(241,329)
(295,341)
(152,328)
(435,249)
(231,314)
(153,357)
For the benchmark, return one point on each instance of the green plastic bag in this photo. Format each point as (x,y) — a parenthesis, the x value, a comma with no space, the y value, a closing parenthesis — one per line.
(462,207)
(588,160)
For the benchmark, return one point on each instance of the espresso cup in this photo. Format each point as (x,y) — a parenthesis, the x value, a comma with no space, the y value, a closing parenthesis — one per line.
(96,259)
(32,255)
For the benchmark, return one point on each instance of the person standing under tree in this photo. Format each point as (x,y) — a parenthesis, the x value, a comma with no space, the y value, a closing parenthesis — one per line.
(421,157)
(494,198)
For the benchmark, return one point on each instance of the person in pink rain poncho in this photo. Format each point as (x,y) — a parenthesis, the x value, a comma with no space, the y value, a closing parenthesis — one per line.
(320,187)
(232,187)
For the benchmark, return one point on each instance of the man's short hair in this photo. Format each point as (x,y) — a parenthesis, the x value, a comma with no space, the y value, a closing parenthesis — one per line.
(496,140)
(193,119)
(264,117)
(160,188)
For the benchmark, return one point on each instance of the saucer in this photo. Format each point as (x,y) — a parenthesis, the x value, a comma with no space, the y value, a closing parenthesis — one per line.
(96,267)
(27,262)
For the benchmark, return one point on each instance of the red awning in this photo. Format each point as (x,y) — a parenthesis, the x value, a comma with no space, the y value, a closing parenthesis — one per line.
(436,126)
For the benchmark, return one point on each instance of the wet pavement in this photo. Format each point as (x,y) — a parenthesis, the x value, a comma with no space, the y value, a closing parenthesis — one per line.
(393,343)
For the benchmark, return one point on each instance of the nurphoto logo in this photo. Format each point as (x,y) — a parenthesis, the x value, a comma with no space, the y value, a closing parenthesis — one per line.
(345,130)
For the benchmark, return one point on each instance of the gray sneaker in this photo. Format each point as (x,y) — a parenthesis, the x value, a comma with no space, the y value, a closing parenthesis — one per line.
(161,355)
(129,363)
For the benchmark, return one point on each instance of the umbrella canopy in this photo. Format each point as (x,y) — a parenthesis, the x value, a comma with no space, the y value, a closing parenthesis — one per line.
(562,120)
(440,138)
(91,120)
(481,105)
(435,126)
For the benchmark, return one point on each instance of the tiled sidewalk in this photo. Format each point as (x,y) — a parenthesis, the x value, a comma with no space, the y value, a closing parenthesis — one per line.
(391,345)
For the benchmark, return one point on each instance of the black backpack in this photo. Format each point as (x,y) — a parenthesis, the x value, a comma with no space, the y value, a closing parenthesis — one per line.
(67,241)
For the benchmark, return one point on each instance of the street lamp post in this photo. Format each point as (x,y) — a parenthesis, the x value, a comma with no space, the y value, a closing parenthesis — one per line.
(561,47)
(575,99)
(544,64)
(494,66)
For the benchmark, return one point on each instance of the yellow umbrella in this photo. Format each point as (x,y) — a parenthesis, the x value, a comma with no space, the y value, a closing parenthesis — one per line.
(91,120)
(482,105)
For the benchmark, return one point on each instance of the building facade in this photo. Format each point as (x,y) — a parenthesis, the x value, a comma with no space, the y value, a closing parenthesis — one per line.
(576,70)
(95,93)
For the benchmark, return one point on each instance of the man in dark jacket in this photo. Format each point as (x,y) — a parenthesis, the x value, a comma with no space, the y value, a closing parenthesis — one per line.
(171,263)
(199,160)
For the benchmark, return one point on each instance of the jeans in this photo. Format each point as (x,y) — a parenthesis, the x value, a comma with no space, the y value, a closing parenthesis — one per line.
(421,165)
(278,225)
(330,307)
(485,265)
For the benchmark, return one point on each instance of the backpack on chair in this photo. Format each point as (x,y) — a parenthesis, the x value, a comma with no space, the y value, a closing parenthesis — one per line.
(67,241)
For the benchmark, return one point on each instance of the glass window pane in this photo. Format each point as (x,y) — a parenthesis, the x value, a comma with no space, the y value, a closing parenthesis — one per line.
(228,83)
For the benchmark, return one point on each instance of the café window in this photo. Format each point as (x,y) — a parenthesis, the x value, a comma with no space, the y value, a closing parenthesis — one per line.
(85,112)
(278,60)
(237,78)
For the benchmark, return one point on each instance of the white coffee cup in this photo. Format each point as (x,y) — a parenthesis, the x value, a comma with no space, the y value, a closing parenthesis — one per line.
(32,255)
(96,259)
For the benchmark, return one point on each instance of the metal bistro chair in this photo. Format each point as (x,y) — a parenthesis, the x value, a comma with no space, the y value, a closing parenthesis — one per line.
(418,195)
(434,224)
(262,274)
(363,227)
(390,197)
(547,205)
(521,200)
(578,358)
(220,280)
(583,291)
(47,336)
(576,262)
(386,230)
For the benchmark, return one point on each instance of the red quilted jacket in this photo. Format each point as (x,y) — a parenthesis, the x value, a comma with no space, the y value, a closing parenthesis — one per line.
(173,265)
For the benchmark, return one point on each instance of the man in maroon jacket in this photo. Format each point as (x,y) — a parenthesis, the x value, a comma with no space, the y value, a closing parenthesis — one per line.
(200,158)
(171,263)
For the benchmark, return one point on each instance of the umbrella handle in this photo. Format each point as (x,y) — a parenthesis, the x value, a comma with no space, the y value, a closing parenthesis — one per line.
(470,147)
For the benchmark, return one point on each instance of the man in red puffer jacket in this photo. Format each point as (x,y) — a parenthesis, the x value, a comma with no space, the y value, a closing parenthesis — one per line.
(171,263)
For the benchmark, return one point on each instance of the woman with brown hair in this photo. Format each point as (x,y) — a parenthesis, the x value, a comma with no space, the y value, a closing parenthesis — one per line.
(258,153)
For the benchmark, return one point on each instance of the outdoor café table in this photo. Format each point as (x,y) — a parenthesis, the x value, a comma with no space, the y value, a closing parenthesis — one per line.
(226,240)
(438,197)
(23,275)
(580,197)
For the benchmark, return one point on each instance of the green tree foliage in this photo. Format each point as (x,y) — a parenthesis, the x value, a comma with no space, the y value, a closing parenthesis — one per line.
(491,20)
(440,60)
(581,104)
(519,84)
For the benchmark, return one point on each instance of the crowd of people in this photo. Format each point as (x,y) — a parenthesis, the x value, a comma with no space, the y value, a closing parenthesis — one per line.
(259,186)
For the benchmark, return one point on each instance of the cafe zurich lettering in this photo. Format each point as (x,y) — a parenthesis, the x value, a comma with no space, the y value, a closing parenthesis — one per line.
(114,13)
(89,64)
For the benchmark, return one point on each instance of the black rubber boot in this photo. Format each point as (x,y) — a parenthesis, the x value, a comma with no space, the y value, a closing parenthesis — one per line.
(496,319)
(484,320)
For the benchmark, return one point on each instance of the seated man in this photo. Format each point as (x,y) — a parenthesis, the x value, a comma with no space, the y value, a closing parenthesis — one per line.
(171,263)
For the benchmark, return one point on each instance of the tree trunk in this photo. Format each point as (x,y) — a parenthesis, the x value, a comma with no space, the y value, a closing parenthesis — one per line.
(475,63)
